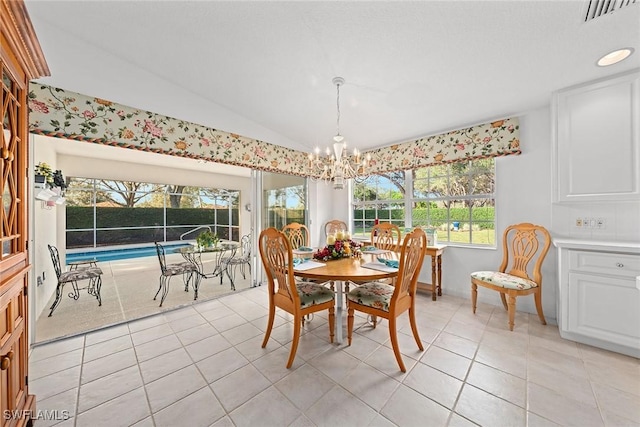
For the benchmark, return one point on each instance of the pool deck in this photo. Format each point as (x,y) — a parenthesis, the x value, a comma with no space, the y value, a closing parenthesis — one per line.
(128,287)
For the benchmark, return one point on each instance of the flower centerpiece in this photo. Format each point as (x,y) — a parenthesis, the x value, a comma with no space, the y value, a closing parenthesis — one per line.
(207,239)
(339,245)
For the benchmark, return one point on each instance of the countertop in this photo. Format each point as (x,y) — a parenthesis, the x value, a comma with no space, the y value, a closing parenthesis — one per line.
(597,245)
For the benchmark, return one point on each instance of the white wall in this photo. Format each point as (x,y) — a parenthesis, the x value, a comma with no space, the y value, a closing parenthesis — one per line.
(44,225)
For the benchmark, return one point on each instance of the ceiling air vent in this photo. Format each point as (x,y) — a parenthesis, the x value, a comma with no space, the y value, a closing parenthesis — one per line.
(599,8)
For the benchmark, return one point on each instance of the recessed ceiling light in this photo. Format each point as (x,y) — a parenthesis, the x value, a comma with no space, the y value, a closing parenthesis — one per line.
(615,56)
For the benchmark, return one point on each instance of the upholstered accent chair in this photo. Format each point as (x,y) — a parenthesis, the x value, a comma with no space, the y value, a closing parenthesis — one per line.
(296,298)
(92,274)
(386,236)
(522,244)
(187,270)
(379,299)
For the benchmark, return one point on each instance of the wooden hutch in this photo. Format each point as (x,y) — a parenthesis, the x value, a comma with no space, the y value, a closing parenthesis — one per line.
(21,60)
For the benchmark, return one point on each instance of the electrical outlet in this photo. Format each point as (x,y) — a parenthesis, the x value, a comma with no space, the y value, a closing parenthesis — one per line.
(601,223)
(39,281)
(578,222)
(586,222)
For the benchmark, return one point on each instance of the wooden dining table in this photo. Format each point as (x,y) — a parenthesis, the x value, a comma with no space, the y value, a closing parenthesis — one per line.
(344,270)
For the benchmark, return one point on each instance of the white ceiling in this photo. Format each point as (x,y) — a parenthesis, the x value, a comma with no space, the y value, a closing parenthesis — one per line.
(264,69)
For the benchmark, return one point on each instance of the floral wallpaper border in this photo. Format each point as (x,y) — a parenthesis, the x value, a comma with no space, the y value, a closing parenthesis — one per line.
(63,114)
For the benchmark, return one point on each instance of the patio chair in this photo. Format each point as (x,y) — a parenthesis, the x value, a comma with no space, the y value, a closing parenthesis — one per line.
(241,259)
(92,274)
(188,271)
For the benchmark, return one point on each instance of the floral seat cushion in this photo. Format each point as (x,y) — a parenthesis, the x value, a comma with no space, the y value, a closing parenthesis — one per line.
(80,274)
(312,294)
(372,294)
(183,267)
(504,280)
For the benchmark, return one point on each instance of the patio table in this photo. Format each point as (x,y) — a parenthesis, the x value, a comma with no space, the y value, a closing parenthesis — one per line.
(193,254)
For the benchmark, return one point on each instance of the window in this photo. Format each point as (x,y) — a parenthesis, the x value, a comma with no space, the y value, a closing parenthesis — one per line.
(456,199)
(378,198)
(286,205)
(108,212)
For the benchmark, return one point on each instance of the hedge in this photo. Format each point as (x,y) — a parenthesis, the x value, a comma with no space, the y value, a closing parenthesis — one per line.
(483,217)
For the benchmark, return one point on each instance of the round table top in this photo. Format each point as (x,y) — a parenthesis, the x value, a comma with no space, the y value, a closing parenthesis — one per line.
(224,246)
(349,269)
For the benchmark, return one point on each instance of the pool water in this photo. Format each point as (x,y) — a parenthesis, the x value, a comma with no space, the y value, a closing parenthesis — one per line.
(123,253)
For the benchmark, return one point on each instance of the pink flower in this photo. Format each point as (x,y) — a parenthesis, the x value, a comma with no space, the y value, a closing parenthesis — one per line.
(460,146)
(88,114)
(205,141)
(120,113)
(419,152)
(486,139)
(258,152)
(152,128)
(38,106)
(510,128)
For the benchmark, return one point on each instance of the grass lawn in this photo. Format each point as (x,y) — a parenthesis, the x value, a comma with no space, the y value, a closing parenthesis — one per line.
(480,237)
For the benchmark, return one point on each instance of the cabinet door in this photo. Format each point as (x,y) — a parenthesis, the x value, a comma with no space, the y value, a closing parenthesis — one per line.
(20,60)
(597,141)
(13,347)
(605,308)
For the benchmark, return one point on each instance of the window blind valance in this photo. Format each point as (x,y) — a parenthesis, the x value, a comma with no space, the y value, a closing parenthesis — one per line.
(63,114)
(498,138)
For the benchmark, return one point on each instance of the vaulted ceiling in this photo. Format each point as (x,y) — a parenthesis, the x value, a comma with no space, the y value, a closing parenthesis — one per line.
(264,69)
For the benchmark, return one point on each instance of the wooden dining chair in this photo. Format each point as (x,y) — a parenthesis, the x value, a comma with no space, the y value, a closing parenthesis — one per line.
(296,298)
(521,244)
(335,225)
(298,234)
(379,299)
(386,236)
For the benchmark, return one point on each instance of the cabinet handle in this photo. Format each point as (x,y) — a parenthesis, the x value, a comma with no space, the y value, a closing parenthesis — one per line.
(5,361)
(619,264)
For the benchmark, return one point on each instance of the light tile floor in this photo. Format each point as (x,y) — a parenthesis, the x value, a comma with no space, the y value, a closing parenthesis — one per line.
(128,287)
(203,365)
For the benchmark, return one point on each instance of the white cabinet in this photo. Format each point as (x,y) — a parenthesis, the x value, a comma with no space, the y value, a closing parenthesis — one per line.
(600,294)
(597,140)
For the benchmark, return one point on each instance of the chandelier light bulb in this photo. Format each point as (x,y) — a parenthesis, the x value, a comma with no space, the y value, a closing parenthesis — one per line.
(338,166)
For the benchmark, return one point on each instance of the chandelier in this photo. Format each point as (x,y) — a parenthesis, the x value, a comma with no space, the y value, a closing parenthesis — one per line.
(338,165)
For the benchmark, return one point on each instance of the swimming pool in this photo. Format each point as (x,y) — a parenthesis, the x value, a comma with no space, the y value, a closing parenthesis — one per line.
(120,253)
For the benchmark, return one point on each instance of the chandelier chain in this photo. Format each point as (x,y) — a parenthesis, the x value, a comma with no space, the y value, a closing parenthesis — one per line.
(338,109)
